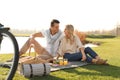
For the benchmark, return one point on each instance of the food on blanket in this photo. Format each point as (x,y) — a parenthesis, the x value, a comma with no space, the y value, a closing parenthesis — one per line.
(55,61)
(61,62)
(55,65)
(65,62)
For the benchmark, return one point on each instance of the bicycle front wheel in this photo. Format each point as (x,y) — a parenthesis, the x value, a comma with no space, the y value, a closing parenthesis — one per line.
(9,50)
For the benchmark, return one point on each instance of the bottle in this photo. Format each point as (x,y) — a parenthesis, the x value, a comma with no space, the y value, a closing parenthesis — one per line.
(65,61)
(61,62)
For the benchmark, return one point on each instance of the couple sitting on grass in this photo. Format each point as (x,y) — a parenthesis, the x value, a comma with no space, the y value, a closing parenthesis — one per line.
(66,45)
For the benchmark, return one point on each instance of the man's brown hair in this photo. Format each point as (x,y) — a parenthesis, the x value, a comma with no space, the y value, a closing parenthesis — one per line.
(54,21)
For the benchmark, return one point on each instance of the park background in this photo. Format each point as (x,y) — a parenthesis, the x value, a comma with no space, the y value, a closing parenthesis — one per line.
(95,21)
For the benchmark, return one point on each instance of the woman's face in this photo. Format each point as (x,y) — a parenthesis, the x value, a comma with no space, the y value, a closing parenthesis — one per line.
(66,33)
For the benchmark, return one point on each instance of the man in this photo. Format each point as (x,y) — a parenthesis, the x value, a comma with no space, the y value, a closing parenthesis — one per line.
(53,36)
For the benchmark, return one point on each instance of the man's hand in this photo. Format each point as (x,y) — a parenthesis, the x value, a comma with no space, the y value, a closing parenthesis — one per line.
(57,57)
(83,58)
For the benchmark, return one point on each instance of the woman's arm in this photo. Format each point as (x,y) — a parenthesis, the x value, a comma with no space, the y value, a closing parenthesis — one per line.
(83,54)
(81,48)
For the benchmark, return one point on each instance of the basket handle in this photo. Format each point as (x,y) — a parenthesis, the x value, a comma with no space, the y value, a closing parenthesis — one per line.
(32,46)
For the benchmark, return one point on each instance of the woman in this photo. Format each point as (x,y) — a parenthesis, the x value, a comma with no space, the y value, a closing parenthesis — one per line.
(72,49)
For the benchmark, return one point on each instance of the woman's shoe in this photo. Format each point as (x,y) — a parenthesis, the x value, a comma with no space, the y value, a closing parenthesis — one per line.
(101,61)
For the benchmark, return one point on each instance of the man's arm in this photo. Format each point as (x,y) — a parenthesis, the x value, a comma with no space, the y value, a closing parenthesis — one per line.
(58,55)
(39,34)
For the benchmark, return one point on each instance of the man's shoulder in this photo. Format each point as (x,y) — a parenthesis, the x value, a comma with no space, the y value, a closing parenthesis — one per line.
(46,31)
(63,38)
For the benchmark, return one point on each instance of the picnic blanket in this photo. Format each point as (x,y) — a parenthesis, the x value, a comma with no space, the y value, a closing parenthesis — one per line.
(53,68)
(6,64)
(70,65)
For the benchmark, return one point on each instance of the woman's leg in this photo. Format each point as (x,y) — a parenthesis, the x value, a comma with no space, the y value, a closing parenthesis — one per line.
(92,53)
(78,57)
(94,61)
(73,57)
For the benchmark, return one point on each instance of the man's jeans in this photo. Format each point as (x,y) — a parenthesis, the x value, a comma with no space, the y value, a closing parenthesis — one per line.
(90,54)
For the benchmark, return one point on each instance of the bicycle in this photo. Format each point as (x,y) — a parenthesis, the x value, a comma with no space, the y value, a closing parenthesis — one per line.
(7,40)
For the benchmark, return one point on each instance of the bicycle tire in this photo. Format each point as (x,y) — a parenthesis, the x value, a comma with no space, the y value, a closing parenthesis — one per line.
(16,55)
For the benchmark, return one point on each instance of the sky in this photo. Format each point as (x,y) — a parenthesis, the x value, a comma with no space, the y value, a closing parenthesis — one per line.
(84,15)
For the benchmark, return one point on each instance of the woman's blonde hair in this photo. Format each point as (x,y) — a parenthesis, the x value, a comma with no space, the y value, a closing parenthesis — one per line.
(70,30)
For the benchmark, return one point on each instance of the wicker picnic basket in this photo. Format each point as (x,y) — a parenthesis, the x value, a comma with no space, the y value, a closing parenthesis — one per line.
(32,66)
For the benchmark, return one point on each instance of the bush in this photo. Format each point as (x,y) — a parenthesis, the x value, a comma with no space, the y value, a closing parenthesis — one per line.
(81,35)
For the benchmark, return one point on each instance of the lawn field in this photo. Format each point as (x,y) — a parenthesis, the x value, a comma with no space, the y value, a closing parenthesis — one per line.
(109,49)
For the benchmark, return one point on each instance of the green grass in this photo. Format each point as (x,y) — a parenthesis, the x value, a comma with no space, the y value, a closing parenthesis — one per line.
(109,49)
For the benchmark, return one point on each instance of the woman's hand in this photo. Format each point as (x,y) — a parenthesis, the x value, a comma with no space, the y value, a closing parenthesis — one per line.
(83,54)
(83,58)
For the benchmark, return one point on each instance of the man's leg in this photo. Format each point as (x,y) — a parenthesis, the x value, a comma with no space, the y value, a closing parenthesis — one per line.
(37,47)
(41,51)
(25,47)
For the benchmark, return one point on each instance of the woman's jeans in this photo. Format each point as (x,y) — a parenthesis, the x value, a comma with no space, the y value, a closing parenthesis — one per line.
(90,54)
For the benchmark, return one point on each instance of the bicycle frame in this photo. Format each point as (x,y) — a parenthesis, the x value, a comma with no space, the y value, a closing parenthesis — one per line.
(2,28)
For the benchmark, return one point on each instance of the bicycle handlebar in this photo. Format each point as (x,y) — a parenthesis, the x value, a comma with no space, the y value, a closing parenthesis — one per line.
(2,28)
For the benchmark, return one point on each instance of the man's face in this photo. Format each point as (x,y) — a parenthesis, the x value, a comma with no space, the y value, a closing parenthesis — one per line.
(55,28)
